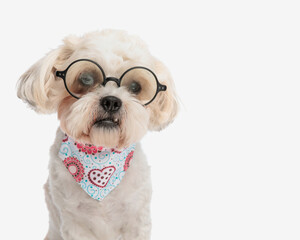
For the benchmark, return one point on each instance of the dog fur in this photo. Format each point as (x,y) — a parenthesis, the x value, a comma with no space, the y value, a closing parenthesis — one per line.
(125,212)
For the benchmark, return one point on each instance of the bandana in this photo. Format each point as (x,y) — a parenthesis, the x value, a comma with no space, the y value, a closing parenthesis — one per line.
(97,170)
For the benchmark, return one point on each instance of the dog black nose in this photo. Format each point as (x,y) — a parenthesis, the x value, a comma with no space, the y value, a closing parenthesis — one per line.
(111,103)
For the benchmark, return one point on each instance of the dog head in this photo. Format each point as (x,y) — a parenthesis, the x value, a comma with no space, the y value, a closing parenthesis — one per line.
(96,102)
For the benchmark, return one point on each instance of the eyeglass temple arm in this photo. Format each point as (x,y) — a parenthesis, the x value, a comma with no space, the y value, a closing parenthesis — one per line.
(162,87)
(60,74)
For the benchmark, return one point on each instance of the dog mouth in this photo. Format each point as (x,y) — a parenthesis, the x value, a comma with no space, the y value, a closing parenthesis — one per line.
(110,122)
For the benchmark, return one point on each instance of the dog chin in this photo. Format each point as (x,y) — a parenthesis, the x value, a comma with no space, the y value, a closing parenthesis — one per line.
(105,135)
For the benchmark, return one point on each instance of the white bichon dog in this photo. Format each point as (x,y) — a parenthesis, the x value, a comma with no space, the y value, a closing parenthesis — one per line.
(108,91)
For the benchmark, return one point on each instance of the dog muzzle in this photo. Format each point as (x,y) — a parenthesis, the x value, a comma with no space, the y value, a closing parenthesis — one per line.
(97,170)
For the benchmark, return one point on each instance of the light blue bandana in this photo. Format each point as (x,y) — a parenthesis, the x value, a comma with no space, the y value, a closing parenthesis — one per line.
(97,170)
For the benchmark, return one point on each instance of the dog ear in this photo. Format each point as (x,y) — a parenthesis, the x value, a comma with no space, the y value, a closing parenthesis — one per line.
(38,86)
(164,108)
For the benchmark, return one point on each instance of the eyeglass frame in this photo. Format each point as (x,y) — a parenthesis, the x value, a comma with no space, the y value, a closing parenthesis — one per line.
(62,74)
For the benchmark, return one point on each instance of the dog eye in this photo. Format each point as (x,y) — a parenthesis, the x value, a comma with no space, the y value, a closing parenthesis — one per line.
(86,79)
(134,87)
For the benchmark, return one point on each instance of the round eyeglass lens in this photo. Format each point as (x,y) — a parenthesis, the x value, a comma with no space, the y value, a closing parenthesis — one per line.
(141,83)
(83,77)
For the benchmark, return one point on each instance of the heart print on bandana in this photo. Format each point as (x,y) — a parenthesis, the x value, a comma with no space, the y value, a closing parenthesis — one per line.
(99,177)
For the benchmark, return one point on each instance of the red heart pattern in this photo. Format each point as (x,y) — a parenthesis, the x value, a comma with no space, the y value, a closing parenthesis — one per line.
(100,178)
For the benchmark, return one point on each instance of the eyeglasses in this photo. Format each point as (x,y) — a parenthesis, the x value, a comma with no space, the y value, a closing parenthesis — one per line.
(84,75)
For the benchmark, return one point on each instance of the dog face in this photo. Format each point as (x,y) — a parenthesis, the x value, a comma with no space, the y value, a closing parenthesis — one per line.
(110,114)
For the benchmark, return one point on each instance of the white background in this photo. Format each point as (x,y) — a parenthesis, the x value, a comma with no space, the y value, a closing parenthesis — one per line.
(228,167)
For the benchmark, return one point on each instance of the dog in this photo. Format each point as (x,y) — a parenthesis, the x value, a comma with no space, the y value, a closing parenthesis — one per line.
(108,91)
